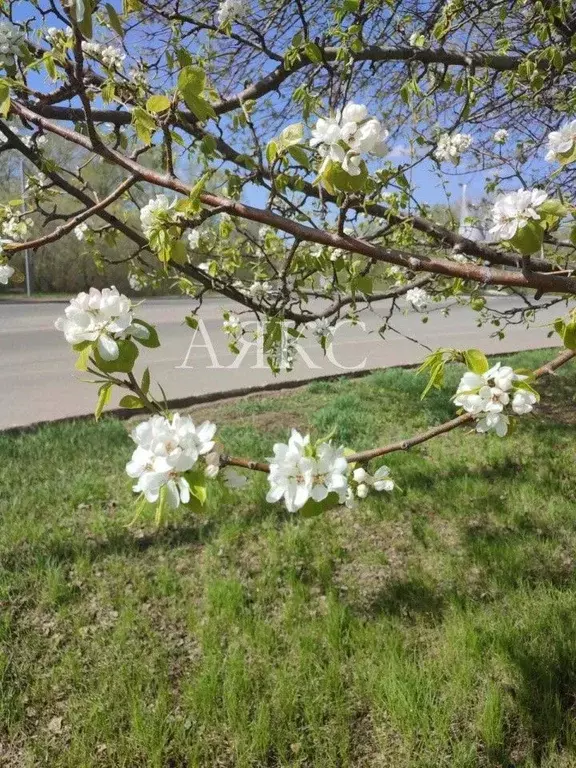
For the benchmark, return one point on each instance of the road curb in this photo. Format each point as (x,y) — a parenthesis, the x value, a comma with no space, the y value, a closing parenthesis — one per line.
(123,414)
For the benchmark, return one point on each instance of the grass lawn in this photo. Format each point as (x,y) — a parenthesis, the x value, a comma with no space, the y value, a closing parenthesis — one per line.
(432,627)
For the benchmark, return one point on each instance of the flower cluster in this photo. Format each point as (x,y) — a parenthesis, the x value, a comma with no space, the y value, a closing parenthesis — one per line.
(500,136)
(451,147)
(259,290)
(418,298)
(111,57)
(321,329)
(232,9)
(15,228)
(514,210)
(362,482)
(57,35)
(486,395)
(6,272)
(104,317)
(299,472)
(166,449)
(11,39)
(194,238)
(135,281)
(561,143)
(157,212)
(80,231)
(346,137)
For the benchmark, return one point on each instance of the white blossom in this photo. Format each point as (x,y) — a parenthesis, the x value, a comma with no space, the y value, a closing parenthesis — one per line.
(6,272)
(101,316)
(514,210)
(194,237)
(11,40)
(417,297)
(562,141)
(111,57)
(346,137)
(165,450)
(417,40)
(233,479)
(523,401)
(451,147)
(16,228)
(380,480)
(501,136)
(137,76)
(156,212)
(486,396)
(135,281)
(81,230)
(230,10)
(494,422)
(259,290)
(232,325)
(321,328)
(299,473)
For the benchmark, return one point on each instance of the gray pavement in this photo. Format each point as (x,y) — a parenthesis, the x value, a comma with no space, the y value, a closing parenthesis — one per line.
(38,380)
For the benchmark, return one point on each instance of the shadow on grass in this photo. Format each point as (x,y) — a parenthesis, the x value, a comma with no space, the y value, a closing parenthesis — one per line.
(118,542)
(542,662)
(409,599)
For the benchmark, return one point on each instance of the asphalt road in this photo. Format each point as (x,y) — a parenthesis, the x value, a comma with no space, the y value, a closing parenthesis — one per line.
(38,380)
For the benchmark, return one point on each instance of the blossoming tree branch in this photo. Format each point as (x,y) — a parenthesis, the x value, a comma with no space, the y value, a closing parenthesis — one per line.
(271,152)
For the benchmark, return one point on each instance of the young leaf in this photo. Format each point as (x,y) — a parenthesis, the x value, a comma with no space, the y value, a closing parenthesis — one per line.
(157,104)
(131,401)
(104,394)
(476,361)
(152,341)
(123,363)
(145,385)
(114,20)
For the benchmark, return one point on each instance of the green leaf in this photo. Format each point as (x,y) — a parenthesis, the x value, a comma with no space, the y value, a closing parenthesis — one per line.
(4,98)
(124,363)
(567,332)
(364,284)
(313,508)
(197,482)
(292,134)
(476,361)
(313,52)
(335,177)
(552,207)
(300,156)
(529,239)
(157,104)
(191,81)
(271,151)
(144,124)
(50,65)
(191,321)
(84,357)
(131,401)
(104,394)
(152,341)
(198,188)
(114,20)
(83,10)
(145,385)
(199,106)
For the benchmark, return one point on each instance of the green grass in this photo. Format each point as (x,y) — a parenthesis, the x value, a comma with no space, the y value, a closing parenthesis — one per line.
(434,627)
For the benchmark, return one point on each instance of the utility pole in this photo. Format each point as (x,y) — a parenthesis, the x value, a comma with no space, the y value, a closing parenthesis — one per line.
(26,252)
